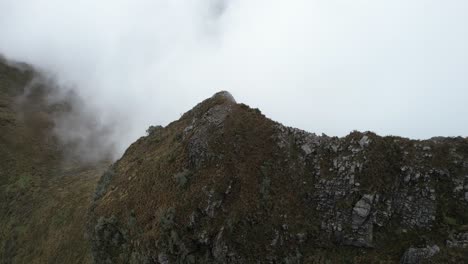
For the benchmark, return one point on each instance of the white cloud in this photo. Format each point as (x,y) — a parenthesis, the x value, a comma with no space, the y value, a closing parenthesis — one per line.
(394,67)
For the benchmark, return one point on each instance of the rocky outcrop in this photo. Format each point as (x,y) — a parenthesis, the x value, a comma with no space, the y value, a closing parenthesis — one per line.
(417,255)
(459,240)
(224,184)
(361,211)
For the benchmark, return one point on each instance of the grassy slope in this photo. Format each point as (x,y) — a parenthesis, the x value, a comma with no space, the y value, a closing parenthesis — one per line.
(43,198)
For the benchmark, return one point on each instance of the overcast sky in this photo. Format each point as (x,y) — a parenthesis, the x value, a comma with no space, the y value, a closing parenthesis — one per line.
(391,66)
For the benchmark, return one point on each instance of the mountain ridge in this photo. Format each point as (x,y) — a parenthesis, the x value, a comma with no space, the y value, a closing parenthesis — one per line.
(225,184)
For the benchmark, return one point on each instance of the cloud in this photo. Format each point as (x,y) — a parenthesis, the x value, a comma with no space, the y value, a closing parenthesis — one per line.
(394,67)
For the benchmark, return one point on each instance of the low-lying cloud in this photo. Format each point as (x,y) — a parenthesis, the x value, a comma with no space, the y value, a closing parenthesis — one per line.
(332,66)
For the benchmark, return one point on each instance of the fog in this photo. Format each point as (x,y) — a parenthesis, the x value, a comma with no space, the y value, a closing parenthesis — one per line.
(394,67)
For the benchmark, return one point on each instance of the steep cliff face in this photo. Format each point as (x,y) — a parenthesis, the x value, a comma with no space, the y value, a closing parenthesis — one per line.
(225,184)
(43,197)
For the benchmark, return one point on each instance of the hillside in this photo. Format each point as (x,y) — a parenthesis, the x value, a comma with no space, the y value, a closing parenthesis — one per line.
(44,196)
(225,184)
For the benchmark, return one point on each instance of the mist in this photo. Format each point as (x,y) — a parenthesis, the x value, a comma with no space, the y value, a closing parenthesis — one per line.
(392,67)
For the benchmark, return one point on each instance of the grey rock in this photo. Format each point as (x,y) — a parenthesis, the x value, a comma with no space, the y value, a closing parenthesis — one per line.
(416,255)
(225,95)
(458,186)
(364,141)
(334,148)
(361,210)
(220,248)
(163,258)
(458,241)
(274,242)
(307,150)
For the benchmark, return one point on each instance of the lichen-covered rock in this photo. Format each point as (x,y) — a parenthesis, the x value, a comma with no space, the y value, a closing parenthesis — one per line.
(224,184)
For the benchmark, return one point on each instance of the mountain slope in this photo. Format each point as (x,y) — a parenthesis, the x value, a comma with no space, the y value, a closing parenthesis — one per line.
(225,184)
(44,197)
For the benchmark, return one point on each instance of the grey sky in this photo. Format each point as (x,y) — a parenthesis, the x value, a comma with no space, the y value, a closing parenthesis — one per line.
(394,67)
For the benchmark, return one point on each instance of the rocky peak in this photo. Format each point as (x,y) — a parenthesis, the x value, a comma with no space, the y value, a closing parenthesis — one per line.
(225,95)
(220,101)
